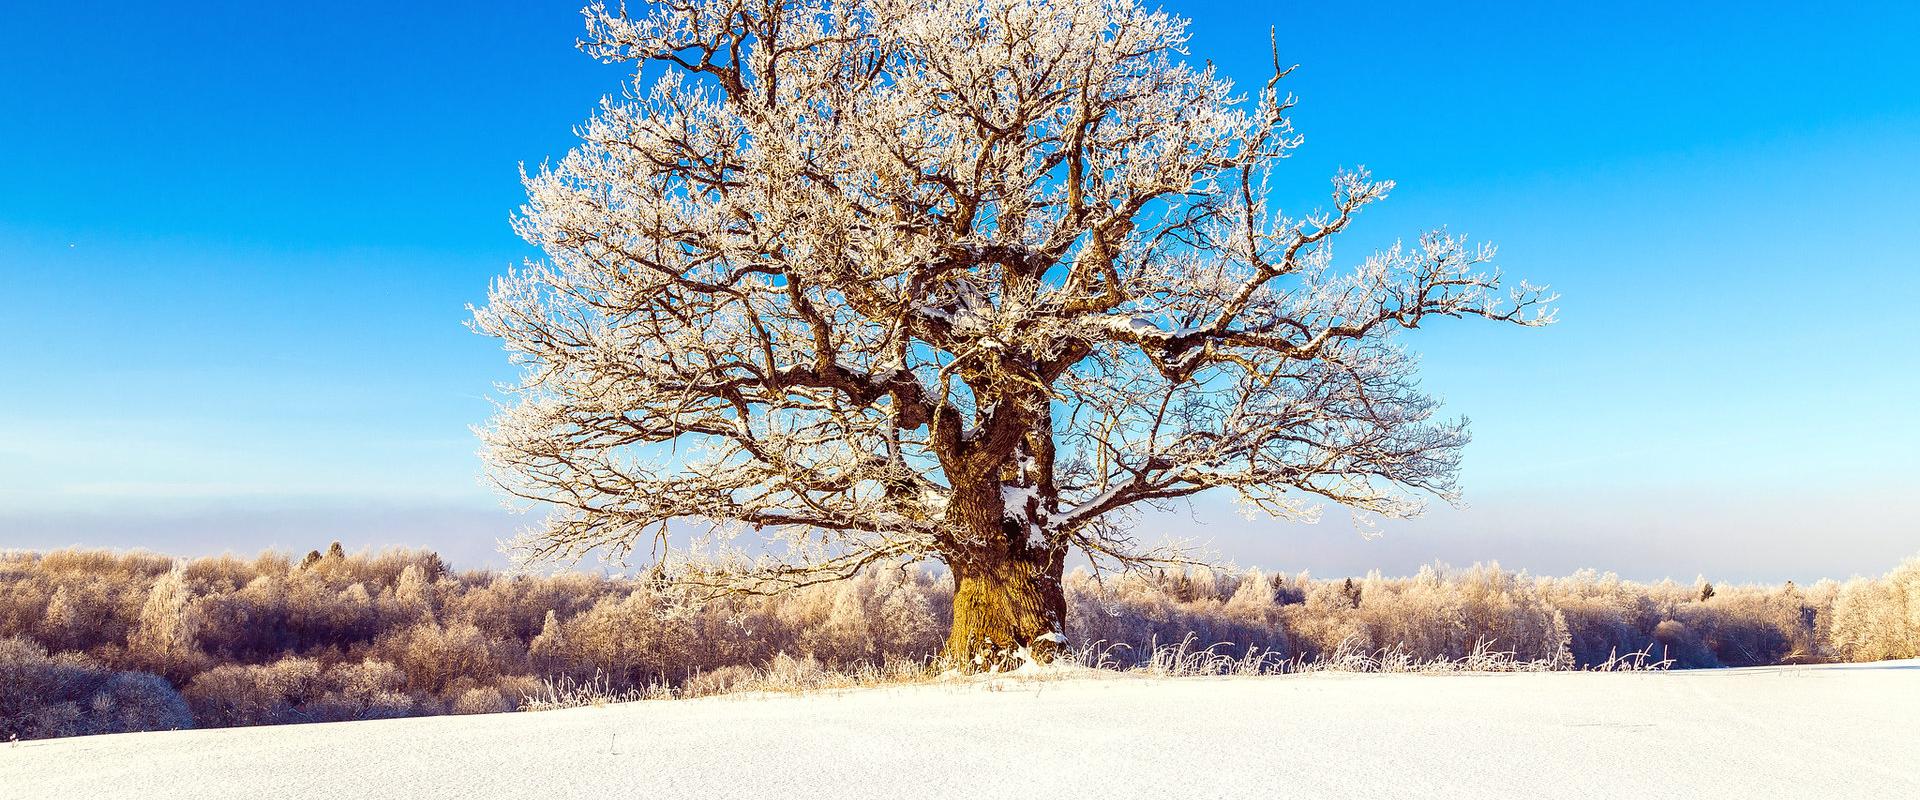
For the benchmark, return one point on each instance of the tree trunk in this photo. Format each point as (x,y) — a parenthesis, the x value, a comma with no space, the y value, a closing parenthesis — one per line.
(1008,600)
(1004,605)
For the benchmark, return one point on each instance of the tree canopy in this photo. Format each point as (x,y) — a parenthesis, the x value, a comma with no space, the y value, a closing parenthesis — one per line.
(956,280)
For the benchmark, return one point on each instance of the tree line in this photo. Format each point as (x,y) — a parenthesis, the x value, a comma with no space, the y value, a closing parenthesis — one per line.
(98,642)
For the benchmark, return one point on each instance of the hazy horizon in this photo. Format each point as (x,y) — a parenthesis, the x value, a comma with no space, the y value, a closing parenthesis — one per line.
(1643,544)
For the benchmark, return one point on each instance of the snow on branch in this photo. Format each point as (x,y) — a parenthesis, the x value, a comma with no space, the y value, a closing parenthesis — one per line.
(891,279)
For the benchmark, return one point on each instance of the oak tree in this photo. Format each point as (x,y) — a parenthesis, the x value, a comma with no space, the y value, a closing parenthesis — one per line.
(963,280)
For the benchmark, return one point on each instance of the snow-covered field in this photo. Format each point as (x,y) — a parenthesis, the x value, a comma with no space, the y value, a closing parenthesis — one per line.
(1827,731)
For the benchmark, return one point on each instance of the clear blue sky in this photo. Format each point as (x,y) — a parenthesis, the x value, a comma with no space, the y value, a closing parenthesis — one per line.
(236,243)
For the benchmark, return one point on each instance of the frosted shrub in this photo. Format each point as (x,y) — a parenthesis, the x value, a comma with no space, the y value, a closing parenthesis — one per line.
(248,624)
(1749,626)
(1254,602)
(136,701)
(411,594)
(431,655)
(882,613)
(619,638)
(265,694)
(164,640)
(550,650)
(1134,614)
(365,690)
(787,673)
(69,694)
(61,627)
(1674,640)
(1326,621)
(1605,615)
(481,700)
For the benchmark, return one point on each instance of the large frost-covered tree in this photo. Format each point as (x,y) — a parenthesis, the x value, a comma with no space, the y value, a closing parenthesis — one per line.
(961,280)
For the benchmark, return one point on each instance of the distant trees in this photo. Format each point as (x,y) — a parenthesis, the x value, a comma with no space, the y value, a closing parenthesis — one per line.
(226,641)
(1879,619)
(949,280)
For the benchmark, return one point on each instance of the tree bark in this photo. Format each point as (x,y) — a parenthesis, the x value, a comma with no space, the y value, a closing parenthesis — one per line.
(1004,605)
(1008,599)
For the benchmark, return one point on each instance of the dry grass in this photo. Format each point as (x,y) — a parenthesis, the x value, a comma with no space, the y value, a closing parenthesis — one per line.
(567,692)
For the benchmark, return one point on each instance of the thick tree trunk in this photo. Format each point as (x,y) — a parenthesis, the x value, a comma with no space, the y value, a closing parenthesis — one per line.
(1003,607)
(1008,600)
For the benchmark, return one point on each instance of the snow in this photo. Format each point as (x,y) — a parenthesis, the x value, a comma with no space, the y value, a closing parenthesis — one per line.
(1145,326)
(1826,731)
(1135,324)
(1015,500)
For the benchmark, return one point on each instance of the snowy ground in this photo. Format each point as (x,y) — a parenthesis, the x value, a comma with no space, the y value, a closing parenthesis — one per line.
(1828,731)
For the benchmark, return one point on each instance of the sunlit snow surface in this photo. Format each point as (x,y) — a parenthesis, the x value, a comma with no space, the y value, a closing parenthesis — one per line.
(1828,731)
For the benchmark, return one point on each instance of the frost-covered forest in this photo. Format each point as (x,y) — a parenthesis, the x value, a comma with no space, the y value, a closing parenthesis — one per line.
(96,642)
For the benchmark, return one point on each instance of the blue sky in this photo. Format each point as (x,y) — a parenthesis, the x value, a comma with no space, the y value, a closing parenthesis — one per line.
(236,243)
